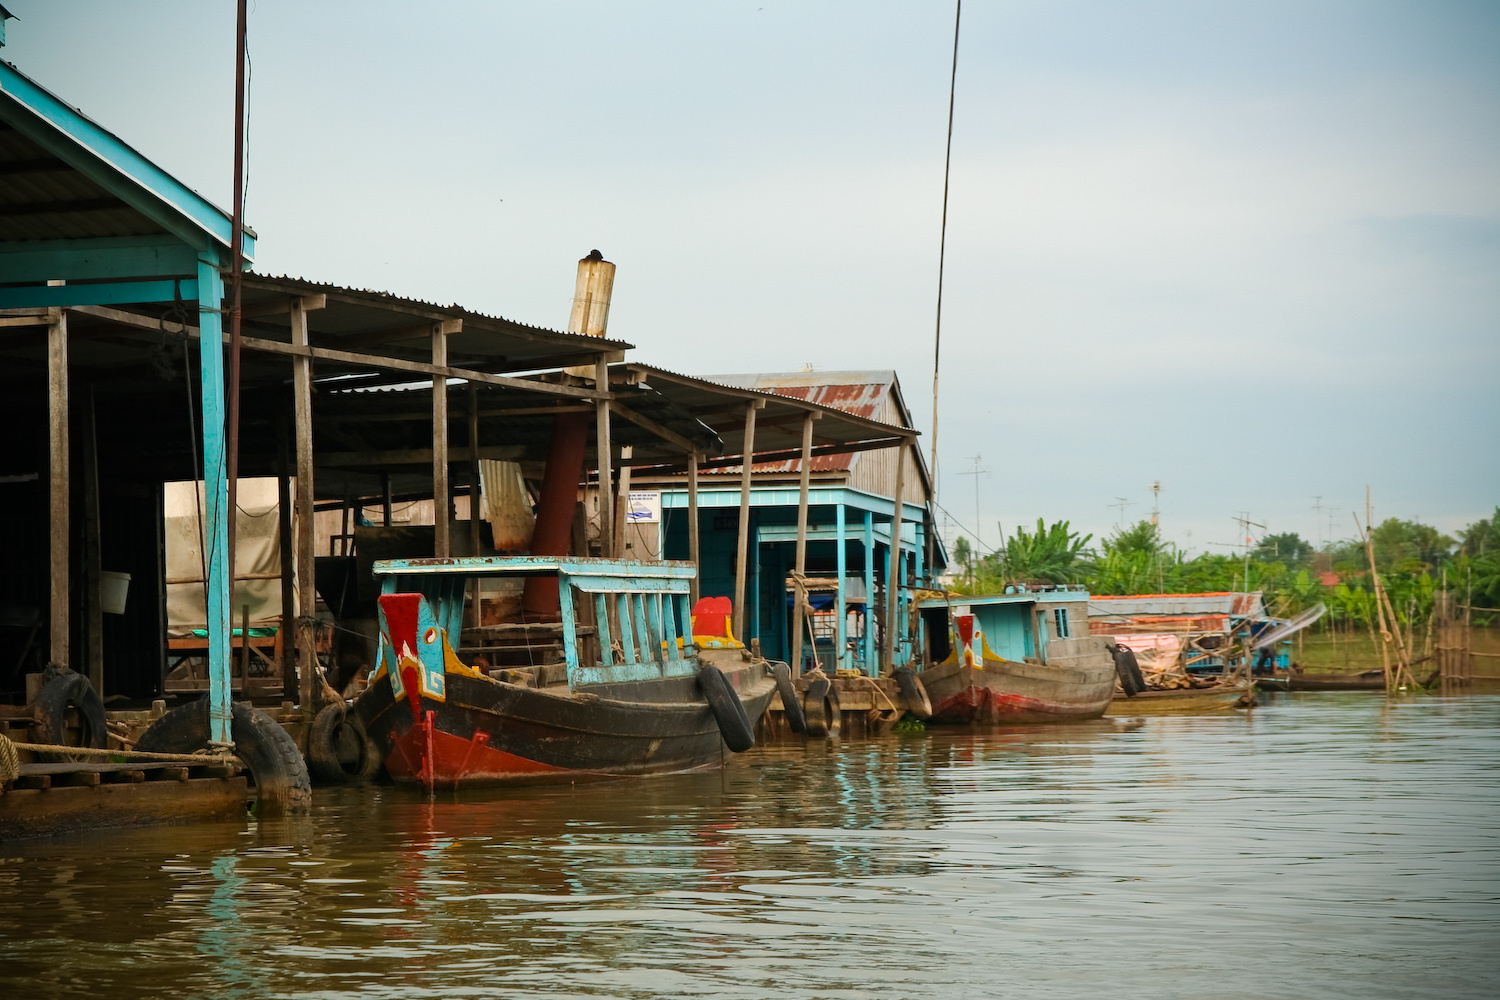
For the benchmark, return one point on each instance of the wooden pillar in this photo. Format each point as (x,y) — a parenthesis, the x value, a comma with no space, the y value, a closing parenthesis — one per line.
(799,590)
(57,464)
(841,626)
(693,550)
(622,501)
(867,642)
(306,561)
(441,493)
(893,570)
(385,486)
(475,479)
(742,552)
(286,636)
(92,547)
(604,450)
(216,507)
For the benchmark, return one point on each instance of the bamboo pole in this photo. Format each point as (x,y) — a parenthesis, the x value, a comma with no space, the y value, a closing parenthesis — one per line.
(800,577)
(693,553)
(742,550)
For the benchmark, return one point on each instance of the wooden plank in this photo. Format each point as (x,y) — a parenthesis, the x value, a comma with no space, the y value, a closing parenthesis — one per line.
(693,550)
(57,445)
(307,599)
(742,550)
(442,499)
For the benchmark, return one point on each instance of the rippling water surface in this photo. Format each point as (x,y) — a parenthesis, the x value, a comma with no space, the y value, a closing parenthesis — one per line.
(1325,846)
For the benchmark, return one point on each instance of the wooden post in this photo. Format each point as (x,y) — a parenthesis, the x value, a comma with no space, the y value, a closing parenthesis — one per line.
(286,635)
(306,562)
(742,552)
(893,570)
(475,486)
(385,486)
(92,543)
(693,551)
(867,641)
(622,501)
(841,623)
(604,450)
(799,588)
(441,494)
(57,451)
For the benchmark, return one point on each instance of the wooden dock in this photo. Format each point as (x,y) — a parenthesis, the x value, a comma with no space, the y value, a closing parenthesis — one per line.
(47,799)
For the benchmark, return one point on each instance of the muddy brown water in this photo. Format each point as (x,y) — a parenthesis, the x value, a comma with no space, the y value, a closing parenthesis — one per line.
(1327,845)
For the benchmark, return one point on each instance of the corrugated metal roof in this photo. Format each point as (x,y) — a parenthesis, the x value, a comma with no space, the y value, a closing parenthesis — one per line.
(44,198)
(861,393)
(1132,605)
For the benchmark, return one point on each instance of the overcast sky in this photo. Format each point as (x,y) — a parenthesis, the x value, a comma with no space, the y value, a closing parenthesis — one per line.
(1248,249)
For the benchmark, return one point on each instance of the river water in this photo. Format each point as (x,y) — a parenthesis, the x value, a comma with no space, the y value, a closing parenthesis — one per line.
(1324,845)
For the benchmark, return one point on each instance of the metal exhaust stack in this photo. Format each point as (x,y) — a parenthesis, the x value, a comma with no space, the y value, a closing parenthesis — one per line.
(570,437)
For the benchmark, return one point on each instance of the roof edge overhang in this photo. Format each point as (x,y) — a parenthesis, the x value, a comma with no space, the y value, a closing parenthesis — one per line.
(104,158)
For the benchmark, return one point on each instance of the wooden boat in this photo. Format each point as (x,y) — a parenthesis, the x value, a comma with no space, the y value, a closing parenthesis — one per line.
(634,693)
(1369,680)
(1042,673)
(1218,698)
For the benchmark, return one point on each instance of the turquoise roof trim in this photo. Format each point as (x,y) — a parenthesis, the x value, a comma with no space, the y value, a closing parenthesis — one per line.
(96,152)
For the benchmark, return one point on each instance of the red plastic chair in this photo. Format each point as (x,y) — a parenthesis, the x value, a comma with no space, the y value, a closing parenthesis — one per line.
(712,617)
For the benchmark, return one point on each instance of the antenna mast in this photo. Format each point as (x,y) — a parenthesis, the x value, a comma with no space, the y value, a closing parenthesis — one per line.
(937,337)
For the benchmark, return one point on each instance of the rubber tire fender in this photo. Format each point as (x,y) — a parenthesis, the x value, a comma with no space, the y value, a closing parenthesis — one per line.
(276,766)
(60,688)
(1128,669)
(323,738)
(791,703)
(729,711)
(820,705)
(915,693)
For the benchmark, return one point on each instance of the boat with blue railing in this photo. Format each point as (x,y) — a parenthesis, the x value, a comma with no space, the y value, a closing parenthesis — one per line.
(632,692)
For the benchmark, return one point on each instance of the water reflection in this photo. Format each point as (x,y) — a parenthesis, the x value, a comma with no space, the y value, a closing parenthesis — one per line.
(1326,846)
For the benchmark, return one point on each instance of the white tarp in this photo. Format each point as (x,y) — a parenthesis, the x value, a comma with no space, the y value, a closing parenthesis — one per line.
(257,564)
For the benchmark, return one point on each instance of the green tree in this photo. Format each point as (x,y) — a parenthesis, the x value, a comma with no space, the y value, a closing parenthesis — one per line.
(1055,554)
(1288,547)
(1409,546)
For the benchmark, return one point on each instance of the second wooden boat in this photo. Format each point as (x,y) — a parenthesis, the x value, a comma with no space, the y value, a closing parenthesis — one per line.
(1218,698)
(1041,672)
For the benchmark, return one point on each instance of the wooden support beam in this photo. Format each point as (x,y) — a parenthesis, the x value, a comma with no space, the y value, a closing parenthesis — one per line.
(622,501)
(893,571)
(307,594)
(725,461)
(283,306)
(693,551)
(57,452)
(742,549)
(475,482)
(646,423)
(605,453)
(92,546)
(442,497)
(800,589)
(375,361)
(415,456)
(286,640)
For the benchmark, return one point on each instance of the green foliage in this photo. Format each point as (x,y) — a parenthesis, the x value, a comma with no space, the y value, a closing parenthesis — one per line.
(1053,555)
(1288,547)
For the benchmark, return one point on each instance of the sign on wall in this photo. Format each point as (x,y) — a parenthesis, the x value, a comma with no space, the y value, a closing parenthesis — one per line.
(645,507)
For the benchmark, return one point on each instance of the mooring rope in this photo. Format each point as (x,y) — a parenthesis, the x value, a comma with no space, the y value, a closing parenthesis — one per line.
(8,748)
(10,762)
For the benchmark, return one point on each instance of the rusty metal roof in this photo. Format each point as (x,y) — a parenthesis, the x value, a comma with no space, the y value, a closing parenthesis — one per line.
(837,433)
(1219,602)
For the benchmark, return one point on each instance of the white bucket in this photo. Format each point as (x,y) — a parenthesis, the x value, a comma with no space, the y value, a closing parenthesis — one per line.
(113,587)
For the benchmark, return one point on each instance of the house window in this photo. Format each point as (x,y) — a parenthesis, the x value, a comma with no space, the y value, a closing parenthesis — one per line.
(1060,620)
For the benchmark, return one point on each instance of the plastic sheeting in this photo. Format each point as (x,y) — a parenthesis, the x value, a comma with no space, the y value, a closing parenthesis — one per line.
(257,555)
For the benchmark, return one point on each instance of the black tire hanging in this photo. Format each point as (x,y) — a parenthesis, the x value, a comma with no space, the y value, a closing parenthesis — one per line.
(729,712)
(791,704)
(276,767)
(339,750)
(820,705)
(1129,671)
(62,688)
(915,692)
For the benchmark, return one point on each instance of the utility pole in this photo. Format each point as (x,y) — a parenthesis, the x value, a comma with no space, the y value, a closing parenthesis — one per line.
(1155,489)
(1121,503)
(1318,517)
(1243,520)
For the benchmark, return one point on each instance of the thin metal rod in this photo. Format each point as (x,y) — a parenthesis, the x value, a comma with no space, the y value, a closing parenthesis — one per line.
(237,266)
(937,337)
